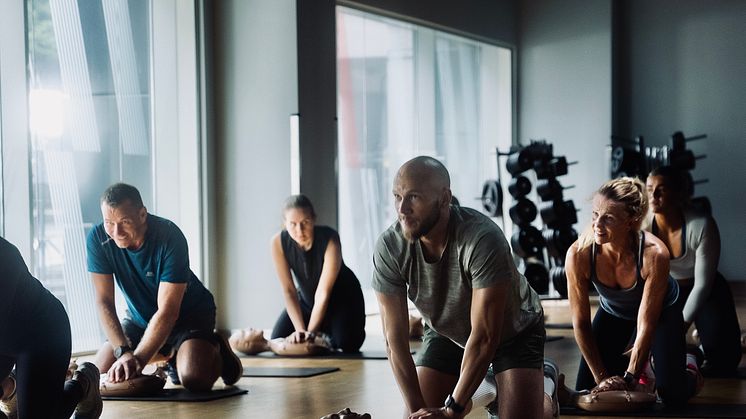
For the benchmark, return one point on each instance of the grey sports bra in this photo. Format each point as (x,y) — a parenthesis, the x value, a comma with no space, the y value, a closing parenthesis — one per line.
(625,303)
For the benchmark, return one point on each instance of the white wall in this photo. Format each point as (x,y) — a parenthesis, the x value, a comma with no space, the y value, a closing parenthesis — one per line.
(255,76)
(564,90)
(686,68)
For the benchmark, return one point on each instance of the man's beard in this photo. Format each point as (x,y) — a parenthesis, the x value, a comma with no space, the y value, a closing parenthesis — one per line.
(425,225)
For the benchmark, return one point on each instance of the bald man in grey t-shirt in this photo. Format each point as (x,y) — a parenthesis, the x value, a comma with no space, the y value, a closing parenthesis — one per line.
(455,265)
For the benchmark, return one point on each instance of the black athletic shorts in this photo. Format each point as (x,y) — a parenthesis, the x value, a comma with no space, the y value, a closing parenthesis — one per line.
(197,326)
(525,350)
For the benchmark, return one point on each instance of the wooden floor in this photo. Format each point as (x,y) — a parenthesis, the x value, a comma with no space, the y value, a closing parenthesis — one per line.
(368,385)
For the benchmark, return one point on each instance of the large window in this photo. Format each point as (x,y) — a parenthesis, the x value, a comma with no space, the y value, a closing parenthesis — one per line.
(89,126)
(406,90)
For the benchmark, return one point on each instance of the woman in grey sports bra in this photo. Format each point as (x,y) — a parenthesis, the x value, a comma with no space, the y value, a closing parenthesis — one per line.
(638,301)
(693,240)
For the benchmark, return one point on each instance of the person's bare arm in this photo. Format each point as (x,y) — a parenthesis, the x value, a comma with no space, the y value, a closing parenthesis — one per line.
(289,292)
(487,314)
(577,268)
(655,274)
(159,328)
(395,320)
(103,286)
(329,274)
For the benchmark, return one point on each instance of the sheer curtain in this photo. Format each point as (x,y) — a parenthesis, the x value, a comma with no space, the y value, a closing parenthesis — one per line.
(406,90)
(89,107)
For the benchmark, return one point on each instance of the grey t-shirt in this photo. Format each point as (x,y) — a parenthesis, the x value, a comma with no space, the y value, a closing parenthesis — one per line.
(476,256)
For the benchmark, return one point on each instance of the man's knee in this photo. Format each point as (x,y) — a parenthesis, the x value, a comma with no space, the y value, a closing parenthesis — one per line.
(194,379)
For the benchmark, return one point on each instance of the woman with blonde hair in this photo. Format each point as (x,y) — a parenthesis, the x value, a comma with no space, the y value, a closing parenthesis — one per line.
(638,301)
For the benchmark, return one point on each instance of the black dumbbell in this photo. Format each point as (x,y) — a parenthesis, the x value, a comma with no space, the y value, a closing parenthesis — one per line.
(678,141)
(492,198)
(519,187)
(523,212)
(537,276)
(550,189)
(540,150)
(519,161)
(559,240)
(556,214)
(527,241)
(553,168)
(559,279)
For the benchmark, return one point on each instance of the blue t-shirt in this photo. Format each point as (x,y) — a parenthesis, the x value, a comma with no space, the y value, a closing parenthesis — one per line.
(163,257)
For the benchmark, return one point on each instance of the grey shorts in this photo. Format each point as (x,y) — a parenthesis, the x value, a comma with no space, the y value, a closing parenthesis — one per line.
(525,350)
(194,327)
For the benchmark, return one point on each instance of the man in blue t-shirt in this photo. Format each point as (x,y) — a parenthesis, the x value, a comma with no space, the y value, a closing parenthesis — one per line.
(170,314)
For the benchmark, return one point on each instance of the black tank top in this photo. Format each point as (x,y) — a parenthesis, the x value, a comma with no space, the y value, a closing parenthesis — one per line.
(307,265)
(625,303)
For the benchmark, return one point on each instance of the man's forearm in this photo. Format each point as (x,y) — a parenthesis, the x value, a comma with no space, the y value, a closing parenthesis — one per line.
(112,326)
(156,334)
(477,357)
(405,374)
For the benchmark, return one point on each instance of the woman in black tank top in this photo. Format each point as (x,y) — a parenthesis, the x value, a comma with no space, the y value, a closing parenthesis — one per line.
(638,302)
(325,295)
(35,344)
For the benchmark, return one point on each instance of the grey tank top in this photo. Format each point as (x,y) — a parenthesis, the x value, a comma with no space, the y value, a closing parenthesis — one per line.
(625,303)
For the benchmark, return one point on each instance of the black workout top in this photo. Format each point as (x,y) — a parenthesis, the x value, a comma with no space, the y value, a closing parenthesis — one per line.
(625,303)
(20,291)
(307,265)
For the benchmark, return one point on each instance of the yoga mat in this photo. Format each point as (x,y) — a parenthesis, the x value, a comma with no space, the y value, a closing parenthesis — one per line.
(558,326)
(286,372)
(373,354)
(692,410)
(181,394)
(553,338)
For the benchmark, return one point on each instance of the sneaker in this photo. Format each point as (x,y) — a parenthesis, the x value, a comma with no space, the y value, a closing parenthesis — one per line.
(91,406)
(232,368)
(9,404)
(171,372)
(551,371)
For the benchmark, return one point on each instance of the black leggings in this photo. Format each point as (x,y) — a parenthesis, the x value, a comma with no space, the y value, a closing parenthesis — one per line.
(612,334)
(39,345)
(717,325)
(344,320)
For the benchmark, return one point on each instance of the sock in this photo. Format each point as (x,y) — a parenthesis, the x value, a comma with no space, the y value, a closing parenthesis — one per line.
(485,393)
(549,385)
(691,362)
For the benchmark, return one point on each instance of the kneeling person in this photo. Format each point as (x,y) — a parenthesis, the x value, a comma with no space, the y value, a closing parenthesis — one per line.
(170,313)
(455,265)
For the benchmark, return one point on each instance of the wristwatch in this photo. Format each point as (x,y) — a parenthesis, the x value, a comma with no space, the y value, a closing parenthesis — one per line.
(121,350)
(451,404)
(629,378)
